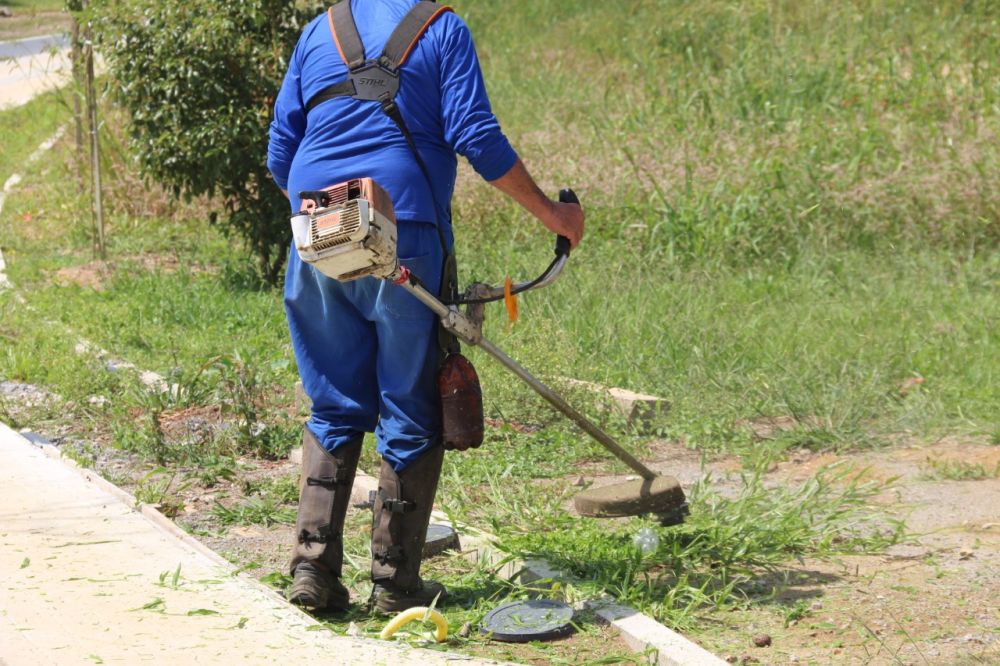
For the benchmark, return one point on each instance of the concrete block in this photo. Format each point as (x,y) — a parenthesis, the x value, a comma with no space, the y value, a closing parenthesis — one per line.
(637,408)
(643,633)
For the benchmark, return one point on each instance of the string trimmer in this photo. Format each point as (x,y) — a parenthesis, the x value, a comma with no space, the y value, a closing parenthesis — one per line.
(348,231)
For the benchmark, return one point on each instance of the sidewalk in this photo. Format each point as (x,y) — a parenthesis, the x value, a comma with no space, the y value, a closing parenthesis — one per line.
(87,579)
(32,66)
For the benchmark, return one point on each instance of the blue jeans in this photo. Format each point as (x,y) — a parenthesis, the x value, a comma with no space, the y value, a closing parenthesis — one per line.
(367,351)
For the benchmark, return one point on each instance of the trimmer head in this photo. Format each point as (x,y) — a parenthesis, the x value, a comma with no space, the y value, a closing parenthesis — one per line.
(661,495)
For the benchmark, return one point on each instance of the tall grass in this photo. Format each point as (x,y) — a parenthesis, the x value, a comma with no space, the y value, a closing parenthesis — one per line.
(740,130)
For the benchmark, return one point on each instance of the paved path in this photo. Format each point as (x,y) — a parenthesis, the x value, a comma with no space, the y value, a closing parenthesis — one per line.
(31,66)
(85,578)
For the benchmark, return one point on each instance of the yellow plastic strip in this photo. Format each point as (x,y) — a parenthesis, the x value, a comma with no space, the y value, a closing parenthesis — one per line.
(419,613)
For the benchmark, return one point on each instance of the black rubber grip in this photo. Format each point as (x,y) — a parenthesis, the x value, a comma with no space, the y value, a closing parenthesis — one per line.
(562,243)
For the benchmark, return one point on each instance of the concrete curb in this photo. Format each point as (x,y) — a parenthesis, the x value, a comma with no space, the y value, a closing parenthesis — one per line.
(150,512)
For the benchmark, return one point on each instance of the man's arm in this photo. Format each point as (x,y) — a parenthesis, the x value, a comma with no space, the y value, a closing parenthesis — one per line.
(288,125)
(473,131)
(564,219)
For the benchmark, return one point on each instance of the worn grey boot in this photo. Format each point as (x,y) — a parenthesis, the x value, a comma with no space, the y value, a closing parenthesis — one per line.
(324,495)
(399,528)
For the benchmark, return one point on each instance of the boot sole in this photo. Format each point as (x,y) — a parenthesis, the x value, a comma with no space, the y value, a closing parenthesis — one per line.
(311,597)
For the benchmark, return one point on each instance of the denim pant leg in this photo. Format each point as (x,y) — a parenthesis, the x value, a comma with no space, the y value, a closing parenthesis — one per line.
(408,355)
(335,349)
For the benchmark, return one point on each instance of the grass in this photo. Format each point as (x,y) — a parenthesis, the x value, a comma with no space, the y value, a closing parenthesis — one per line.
(255,511)
(24,127)
(792,214)
(733,550)
(958,470)
(37,5)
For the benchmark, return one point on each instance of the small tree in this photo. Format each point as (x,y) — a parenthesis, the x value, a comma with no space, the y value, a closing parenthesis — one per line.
(197,79)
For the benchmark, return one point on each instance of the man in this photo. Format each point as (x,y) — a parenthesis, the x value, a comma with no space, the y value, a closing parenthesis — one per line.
(367,350)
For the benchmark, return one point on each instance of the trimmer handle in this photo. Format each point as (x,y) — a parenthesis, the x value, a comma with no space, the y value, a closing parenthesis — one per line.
(566,195)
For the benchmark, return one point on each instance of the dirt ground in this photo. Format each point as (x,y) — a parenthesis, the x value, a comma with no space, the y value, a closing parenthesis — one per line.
(932,600)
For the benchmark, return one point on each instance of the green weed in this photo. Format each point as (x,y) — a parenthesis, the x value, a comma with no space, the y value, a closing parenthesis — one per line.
(958,470)
(210,468)
(732,550)
(243,396)
(157,488)
(283,490)
(256,511)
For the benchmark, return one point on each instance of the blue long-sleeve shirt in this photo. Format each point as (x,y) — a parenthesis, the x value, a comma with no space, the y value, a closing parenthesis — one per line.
(441,97)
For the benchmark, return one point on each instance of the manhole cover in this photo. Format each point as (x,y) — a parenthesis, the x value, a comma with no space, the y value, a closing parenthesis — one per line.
(533,620)
(439,539)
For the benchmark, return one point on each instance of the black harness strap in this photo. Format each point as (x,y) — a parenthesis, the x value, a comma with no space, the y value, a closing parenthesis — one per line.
(347,38)
(409,31)
(374,79)
(343,89)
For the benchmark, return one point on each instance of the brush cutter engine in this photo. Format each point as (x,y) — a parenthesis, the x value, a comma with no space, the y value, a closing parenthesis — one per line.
(347,231)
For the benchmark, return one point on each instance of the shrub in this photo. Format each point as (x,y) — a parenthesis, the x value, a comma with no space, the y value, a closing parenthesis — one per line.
(197,79)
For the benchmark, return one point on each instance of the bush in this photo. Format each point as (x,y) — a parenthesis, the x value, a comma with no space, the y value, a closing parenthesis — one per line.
(198,79)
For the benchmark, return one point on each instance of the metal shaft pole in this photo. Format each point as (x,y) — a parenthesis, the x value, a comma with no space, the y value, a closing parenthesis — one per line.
(553,398)
(559,403)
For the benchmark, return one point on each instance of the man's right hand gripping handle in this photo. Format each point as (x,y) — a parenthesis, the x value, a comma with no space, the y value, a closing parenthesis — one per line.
(563,245)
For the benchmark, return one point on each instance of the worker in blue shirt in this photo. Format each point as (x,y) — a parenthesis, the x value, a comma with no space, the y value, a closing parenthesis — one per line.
(367,351)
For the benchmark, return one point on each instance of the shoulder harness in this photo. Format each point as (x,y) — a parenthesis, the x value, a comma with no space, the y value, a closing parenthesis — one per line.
(377,79)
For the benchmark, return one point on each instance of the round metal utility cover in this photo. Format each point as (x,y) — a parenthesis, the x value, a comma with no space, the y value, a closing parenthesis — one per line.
(439,539)
(533,620)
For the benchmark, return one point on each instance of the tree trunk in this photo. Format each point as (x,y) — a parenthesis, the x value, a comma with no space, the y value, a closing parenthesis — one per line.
(76,59)
(97,209)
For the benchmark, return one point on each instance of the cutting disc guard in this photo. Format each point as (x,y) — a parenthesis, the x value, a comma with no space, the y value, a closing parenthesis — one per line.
(661,495)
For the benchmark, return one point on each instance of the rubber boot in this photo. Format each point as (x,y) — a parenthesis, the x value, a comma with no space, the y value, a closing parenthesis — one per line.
(402,512)
(324,495)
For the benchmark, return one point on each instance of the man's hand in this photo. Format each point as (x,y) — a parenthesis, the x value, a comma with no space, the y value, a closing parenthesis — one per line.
(565,219)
